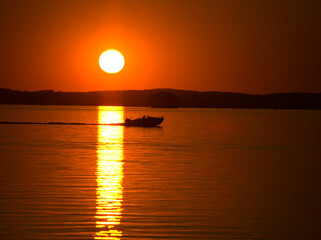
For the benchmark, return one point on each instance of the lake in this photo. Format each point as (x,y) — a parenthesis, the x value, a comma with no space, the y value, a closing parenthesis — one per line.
(204,174)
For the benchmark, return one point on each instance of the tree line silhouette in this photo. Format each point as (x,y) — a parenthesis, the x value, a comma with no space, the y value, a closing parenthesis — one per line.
(163,98)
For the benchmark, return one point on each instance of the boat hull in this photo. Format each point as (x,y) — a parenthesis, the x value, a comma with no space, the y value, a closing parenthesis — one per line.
(144,122)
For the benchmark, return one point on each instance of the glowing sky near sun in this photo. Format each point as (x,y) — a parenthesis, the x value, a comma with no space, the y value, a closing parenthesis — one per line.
(239,46)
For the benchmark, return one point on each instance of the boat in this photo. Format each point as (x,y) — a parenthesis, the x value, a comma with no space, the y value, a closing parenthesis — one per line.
(145,121)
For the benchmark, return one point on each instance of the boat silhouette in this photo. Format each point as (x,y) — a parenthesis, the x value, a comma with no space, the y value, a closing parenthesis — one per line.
(145,121)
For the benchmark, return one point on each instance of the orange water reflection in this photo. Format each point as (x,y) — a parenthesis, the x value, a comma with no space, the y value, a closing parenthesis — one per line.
(109,173)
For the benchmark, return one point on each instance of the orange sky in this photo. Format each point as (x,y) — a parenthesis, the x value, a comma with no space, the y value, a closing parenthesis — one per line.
(239,46)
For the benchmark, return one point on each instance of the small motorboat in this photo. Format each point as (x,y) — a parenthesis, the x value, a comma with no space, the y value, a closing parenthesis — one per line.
(145,121)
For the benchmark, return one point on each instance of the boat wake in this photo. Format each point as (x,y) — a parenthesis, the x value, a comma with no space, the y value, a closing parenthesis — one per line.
(145,121)
(64,123)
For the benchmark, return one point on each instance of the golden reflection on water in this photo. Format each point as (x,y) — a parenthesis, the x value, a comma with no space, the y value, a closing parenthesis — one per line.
(109,173)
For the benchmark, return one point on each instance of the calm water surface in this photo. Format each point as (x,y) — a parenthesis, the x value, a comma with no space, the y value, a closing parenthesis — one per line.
(205,174)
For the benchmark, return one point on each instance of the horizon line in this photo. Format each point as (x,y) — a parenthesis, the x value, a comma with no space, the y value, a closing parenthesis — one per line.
(160,89)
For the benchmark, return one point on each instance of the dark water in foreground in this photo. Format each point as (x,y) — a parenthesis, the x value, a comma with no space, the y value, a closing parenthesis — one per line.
(205,174)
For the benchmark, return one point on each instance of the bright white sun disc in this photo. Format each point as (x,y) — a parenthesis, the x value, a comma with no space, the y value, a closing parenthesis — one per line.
(111,61)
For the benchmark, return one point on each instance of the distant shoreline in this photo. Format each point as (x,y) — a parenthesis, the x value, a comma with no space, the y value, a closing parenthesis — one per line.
(183,98)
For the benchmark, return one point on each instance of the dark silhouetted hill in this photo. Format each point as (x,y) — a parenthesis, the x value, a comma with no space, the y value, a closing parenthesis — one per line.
(163,100)
(143,98)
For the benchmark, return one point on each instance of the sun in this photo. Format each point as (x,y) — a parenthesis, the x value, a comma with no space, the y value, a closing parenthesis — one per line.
(111,61)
